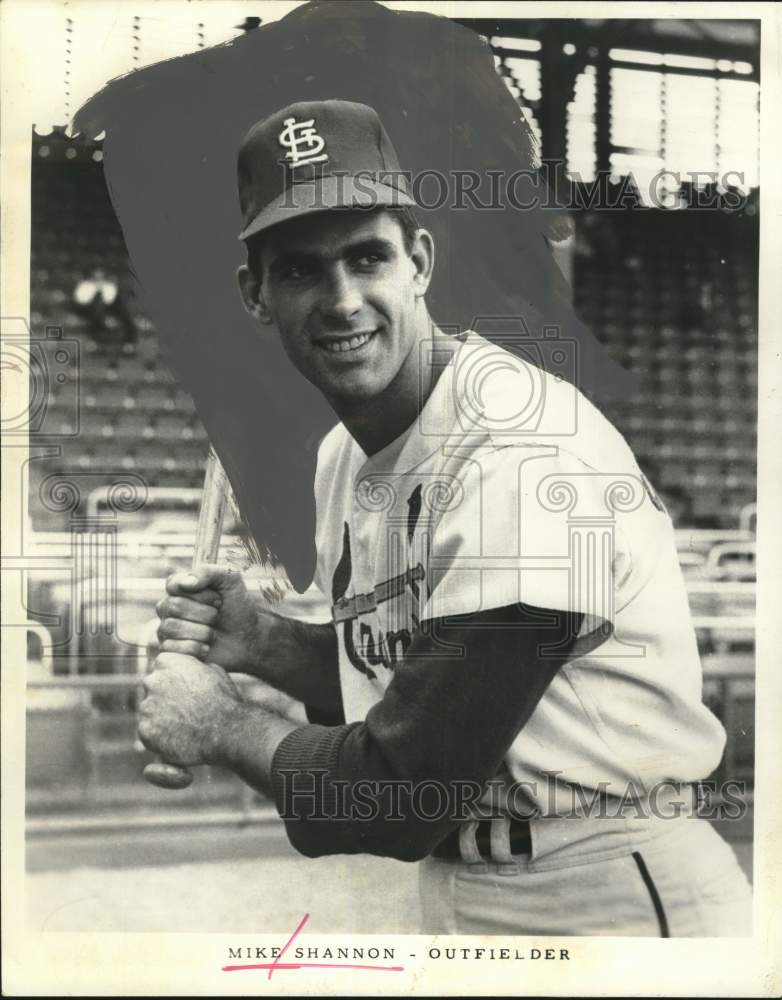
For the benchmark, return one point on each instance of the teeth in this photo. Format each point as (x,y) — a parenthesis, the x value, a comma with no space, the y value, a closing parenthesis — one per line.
(346,343)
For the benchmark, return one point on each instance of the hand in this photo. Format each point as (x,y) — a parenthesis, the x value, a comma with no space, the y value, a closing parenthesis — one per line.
(208,613)
(189,710)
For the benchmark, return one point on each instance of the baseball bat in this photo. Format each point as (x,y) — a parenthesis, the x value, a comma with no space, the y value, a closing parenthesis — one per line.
(207,547)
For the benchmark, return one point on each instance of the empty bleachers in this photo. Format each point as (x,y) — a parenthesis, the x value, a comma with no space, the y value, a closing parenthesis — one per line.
(673,297)
(129,410)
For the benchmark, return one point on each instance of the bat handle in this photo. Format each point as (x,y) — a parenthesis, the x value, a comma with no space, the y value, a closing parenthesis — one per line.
(207,546)
(168,776)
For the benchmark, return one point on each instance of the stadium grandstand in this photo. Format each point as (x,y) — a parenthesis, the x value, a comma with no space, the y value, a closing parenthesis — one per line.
(670,288)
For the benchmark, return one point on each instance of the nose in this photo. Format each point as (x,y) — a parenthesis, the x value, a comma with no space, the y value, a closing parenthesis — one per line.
(341,298)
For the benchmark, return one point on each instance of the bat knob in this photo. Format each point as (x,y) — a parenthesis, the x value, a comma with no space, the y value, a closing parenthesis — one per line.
(170,776)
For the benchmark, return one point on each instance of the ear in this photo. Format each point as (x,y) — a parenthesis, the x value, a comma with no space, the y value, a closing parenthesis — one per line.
(252,295)
(422,256)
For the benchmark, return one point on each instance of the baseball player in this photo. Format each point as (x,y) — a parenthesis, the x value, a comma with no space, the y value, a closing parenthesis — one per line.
(509,691)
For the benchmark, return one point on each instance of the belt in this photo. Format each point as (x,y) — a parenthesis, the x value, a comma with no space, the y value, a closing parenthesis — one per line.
(518,835)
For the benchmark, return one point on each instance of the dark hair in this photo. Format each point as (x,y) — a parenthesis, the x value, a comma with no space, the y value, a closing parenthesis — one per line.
(404,215)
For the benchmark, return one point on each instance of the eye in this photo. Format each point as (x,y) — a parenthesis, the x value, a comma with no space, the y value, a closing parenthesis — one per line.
(292,269)
(296,271)
(369,260)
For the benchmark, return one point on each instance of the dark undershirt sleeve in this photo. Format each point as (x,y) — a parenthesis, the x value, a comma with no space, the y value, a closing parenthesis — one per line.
(465,688)
(324,717)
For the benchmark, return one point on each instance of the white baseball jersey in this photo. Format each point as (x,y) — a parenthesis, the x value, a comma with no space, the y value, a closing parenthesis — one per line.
(511,487)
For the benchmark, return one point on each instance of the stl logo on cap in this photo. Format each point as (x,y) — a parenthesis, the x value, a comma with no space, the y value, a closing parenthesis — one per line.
(303,143)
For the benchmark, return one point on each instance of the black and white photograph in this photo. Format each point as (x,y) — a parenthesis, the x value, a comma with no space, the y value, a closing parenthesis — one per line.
(389,498)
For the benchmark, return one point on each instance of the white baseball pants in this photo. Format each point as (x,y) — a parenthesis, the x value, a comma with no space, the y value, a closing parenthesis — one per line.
(650,878)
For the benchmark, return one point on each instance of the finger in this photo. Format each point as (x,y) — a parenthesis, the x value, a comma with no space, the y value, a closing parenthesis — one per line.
(143,733)
(175,628)
(205,576)
(188,608)
(150,684)
(170,661)
(202,595)
(185,646)
(194,609)
(148,735)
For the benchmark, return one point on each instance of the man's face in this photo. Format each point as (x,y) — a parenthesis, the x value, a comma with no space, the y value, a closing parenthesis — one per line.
(342,290)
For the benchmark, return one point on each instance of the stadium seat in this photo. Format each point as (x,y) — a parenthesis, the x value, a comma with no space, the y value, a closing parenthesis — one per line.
(732,561)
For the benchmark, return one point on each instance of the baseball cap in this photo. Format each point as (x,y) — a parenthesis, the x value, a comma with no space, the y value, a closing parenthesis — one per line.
(315,156)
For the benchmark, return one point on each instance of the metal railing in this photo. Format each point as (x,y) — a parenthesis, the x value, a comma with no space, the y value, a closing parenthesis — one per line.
(730,678)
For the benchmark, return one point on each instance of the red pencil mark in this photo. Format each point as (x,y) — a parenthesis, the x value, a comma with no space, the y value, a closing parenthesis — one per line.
(287,945)
(282,966)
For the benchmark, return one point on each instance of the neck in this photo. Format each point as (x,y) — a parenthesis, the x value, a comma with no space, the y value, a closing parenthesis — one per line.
(374,423)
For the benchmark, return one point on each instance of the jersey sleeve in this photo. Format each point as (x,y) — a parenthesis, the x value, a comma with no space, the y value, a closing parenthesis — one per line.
(394,784)
(526,525)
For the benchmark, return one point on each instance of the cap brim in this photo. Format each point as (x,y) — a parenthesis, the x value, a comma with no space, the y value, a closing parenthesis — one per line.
(326,194)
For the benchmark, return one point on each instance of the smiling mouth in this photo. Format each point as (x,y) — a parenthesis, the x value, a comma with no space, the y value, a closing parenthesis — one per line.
(343,345)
